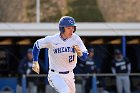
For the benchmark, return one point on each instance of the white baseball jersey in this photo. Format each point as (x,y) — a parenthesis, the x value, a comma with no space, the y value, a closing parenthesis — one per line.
(62,56)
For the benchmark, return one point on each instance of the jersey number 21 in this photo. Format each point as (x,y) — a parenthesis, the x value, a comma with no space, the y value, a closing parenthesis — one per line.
(71,58)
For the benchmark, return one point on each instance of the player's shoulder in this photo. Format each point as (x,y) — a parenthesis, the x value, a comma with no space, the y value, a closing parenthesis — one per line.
(52,36)
(49,38)
(113,61)
(126,59)
(75,36)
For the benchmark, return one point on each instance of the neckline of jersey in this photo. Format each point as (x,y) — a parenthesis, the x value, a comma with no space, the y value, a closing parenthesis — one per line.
(62,38)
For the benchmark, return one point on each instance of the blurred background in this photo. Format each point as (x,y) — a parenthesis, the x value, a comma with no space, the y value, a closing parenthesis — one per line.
(105,26)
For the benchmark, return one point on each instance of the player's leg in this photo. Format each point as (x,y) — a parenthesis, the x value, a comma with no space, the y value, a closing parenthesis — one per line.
(70,80)
(88,85)
(119,84)
(127,84)
(58,83)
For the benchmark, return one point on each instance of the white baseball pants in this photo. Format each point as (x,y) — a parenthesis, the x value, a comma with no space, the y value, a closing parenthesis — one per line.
(63,83)
(123,82)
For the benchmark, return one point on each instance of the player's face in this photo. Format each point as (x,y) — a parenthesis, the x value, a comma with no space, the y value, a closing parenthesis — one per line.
(29,55)
(118,56)
(91,54)
(68,31)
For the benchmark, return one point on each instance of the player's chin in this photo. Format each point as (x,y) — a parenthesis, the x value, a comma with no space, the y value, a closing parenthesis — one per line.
(71,34)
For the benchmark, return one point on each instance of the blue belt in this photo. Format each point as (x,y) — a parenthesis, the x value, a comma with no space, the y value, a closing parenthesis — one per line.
(66,72)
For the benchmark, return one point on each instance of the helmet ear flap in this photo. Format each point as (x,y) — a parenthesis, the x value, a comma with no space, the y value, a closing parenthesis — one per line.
(61,29)
(74,29)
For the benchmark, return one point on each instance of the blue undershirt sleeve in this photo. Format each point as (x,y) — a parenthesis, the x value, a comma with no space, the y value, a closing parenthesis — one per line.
(84,56)
(35,52)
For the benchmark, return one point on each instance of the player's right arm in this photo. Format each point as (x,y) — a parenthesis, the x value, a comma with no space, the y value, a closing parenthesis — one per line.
(35,66)
(113,67)
(39,44)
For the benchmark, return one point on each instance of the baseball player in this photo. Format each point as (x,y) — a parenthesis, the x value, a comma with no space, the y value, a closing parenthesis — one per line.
(90,68)
(64,48)
(121,67)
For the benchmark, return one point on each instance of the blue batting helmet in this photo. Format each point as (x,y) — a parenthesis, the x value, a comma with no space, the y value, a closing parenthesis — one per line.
(117,51)
(66,21)
(91,49)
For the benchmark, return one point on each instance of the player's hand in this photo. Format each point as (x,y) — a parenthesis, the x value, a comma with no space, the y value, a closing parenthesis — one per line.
(78,51)
(35,67)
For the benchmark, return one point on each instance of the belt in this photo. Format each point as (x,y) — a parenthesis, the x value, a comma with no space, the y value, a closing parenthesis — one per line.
(66,72)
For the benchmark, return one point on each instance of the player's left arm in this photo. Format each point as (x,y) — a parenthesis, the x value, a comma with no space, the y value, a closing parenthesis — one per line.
(84,56)
(128,65)
(129,68)
(81,49)
(81,55)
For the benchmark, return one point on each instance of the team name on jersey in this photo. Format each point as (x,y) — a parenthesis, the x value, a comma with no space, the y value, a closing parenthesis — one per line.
(63,49)
(120,64)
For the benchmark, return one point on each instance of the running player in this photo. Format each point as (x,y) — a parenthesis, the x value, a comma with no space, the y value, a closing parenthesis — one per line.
(64,48)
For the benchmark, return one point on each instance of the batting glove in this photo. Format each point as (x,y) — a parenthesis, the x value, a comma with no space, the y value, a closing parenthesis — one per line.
(78,51)
(35,67)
